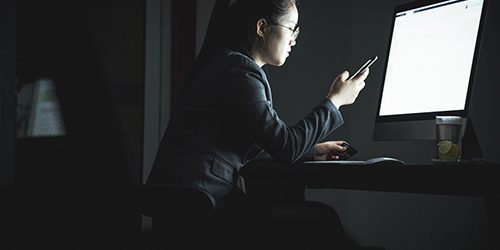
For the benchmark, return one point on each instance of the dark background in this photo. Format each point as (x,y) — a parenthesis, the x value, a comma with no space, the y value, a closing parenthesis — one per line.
(77,190)
(7,112)
(335,35)
(7,90)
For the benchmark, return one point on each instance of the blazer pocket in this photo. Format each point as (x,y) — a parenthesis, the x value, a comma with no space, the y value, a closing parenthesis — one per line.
(222,170)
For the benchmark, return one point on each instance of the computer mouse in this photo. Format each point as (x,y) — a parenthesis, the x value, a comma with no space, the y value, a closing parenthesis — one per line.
(384,161)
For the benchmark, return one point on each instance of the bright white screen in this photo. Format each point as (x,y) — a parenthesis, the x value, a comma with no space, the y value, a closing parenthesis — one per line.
(430,58)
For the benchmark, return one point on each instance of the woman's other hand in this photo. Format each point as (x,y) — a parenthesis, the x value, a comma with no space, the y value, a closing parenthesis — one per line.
(329,150)
(343,91)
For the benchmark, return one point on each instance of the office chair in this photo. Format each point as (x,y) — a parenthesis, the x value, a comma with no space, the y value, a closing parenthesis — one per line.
(182,216)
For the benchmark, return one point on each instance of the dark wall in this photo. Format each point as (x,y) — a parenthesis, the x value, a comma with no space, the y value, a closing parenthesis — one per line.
(7,112)
(7,90)
(117,28)
(115,31)
(78,189)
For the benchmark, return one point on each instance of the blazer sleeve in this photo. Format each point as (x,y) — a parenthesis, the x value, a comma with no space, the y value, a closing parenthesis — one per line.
(246,97)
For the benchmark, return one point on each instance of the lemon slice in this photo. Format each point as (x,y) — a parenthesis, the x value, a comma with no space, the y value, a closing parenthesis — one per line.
(448,150)
(444,147)
(454,152)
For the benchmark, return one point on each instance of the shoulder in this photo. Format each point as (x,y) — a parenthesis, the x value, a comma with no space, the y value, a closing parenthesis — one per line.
(239,62)
(244,80)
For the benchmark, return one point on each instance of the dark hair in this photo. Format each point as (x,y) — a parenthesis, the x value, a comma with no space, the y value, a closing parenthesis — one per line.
(232,25)
(242,14)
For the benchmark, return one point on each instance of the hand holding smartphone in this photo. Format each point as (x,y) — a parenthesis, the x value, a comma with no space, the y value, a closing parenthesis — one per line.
(364,67)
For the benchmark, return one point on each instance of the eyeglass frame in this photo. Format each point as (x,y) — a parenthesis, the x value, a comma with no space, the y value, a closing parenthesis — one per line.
(295,31)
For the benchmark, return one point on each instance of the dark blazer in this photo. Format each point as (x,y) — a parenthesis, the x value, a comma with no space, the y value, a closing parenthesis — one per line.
(224,120)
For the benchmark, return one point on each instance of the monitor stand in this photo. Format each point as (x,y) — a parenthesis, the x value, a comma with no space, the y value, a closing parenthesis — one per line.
(471,149)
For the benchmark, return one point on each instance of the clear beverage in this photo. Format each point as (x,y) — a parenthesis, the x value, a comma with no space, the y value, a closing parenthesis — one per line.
(448,138)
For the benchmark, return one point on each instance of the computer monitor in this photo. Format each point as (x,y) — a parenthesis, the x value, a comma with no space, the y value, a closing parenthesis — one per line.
(429,71)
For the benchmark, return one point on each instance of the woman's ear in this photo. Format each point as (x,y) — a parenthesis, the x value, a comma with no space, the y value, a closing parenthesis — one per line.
(261,27)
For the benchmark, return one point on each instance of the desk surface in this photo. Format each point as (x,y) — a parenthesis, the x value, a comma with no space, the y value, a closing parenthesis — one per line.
(471,179)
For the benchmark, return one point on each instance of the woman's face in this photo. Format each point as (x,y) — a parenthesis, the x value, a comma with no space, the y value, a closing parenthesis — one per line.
(278,39)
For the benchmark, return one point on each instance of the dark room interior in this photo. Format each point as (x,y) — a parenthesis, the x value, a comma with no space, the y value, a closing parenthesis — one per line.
(113,71)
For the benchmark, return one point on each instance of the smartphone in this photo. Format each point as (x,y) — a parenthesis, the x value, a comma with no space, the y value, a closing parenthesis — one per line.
(350,151)
(364,67)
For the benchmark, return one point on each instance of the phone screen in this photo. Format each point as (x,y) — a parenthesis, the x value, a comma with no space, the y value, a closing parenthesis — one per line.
(364,67)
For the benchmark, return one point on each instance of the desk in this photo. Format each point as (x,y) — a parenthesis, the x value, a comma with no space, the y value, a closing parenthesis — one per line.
(272,180)
(471,180)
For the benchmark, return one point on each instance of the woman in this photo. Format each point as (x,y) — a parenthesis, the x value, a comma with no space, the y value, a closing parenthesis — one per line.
(225,117)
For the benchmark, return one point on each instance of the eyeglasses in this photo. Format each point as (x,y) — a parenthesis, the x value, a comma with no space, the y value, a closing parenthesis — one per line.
(295,31)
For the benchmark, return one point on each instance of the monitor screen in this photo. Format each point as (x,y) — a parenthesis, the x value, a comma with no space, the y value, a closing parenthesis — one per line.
(430,64)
